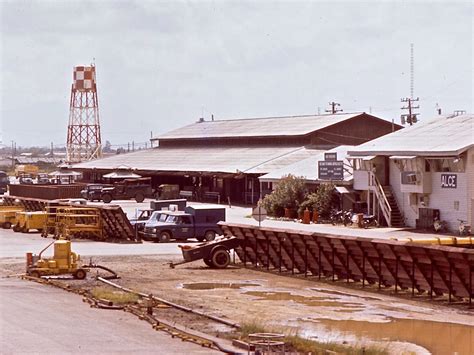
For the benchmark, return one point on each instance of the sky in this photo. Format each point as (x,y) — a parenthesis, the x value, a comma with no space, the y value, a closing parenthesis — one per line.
(163,64)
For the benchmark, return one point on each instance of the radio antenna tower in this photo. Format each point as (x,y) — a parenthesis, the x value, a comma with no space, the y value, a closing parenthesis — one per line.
(411,117)
(83,132)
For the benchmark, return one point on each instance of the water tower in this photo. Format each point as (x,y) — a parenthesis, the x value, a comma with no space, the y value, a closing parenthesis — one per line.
(83,132)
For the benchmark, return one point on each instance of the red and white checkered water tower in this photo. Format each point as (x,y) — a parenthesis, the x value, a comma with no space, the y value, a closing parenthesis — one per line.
(83,133)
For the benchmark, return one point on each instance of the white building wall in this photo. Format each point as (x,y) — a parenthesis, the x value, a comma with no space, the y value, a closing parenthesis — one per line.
(439,198)
(444,199)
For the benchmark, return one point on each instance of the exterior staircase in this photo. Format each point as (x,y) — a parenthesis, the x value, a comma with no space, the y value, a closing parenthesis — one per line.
(396,217)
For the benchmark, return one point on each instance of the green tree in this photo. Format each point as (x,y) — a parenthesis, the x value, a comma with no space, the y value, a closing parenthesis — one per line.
(289,193)
(321,200)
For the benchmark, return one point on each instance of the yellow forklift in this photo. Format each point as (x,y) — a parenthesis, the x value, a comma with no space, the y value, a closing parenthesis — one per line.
(64,261)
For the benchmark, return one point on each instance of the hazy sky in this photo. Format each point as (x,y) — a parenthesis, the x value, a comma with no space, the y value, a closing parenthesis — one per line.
(161,65)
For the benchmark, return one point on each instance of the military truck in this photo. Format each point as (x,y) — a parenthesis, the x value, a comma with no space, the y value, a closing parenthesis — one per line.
(123,190)
(199,222)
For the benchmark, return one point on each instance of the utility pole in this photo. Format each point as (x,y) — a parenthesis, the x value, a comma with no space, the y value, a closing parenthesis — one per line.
(334,108)
(411,117)
(13,155)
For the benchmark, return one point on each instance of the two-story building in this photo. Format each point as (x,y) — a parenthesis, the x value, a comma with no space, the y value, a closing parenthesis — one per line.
(421,172)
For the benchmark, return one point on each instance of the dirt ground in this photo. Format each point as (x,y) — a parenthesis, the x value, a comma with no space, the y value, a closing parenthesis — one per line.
(321,310)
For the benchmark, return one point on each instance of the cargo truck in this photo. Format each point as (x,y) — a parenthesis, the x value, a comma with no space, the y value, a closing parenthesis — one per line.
(199,222)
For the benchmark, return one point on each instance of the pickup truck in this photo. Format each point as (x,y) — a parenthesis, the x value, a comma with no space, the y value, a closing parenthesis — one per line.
(199,222)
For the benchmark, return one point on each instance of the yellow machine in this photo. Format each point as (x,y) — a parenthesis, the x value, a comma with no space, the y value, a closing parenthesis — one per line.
(8,215)
(26,169)
(25,221)
(73,221)
(64,261)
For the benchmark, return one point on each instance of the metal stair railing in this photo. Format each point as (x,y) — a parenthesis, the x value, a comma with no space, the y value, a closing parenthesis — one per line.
(381,198)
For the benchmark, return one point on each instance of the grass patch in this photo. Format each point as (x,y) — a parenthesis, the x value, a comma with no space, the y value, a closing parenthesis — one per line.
(306,346)
(117,297)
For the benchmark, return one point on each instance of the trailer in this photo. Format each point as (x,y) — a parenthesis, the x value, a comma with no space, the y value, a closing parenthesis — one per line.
(215,253)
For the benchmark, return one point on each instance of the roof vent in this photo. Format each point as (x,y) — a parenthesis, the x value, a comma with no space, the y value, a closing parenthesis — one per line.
(201,119)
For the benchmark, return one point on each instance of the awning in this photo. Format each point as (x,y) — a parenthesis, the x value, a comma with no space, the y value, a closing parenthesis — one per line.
(60,173)
(367,157)
(121,175)
(403,157)
(343,190)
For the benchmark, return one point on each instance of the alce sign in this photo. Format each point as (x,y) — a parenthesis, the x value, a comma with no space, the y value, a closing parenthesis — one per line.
(449,181)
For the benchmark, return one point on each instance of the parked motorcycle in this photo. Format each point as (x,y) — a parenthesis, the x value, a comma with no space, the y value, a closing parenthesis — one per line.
(341,217)
(369,220)
(464,228)
(440,226)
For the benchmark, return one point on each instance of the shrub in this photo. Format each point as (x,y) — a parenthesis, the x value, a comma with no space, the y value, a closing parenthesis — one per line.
(289,193)
(321,200)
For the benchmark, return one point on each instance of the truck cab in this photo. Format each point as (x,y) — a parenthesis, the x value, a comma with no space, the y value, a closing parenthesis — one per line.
(143,215)
(199,222)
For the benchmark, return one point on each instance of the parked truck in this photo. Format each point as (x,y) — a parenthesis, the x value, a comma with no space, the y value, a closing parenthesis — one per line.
(199,222)
(142,215)
(3,182)
(26,170)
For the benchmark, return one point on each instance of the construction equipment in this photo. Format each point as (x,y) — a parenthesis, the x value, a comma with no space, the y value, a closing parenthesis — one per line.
(67,221)
(64,261)
(8,215)
(25,221)
(78,222)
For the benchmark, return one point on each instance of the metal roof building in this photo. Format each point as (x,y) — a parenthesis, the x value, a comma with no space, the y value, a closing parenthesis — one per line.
(422,172)
(439,136)
(228,156)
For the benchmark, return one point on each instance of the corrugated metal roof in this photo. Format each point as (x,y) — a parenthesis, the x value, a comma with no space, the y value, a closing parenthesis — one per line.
(257,127)
(308,168)
(433,137)
(256,160)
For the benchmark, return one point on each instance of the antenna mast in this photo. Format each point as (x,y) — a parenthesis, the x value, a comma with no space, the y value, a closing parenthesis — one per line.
(411,117)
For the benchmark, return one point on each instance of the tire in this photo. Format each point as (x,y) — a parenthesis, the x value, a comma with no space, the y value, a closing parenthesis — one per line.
(209,235)
(220,258)
(165,237)
(208,262)
(139,197)
(16,228)
(24,230)
(7,225)
(80,274)
(107,198)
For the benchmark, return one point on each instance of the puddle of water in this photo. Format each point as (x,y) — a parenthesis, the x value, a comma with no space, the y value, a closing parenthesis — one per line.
(214,285)
(339,293)
(437,337)
(312,301)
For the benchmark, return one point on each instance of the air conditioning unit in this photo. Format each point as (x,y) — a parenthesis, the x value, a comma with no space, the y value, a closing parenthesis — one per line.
(412,178)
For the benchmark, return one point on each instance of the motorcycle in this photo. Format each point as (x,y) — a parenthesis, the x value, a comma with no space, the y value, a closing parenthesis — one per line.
(369,221)
(341,217)
(464,228)
(440,226)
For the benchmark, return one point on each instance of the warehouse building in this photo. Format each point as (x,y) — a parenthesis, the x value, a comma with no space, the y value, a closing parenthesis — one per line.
(419,173)
(224,158)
